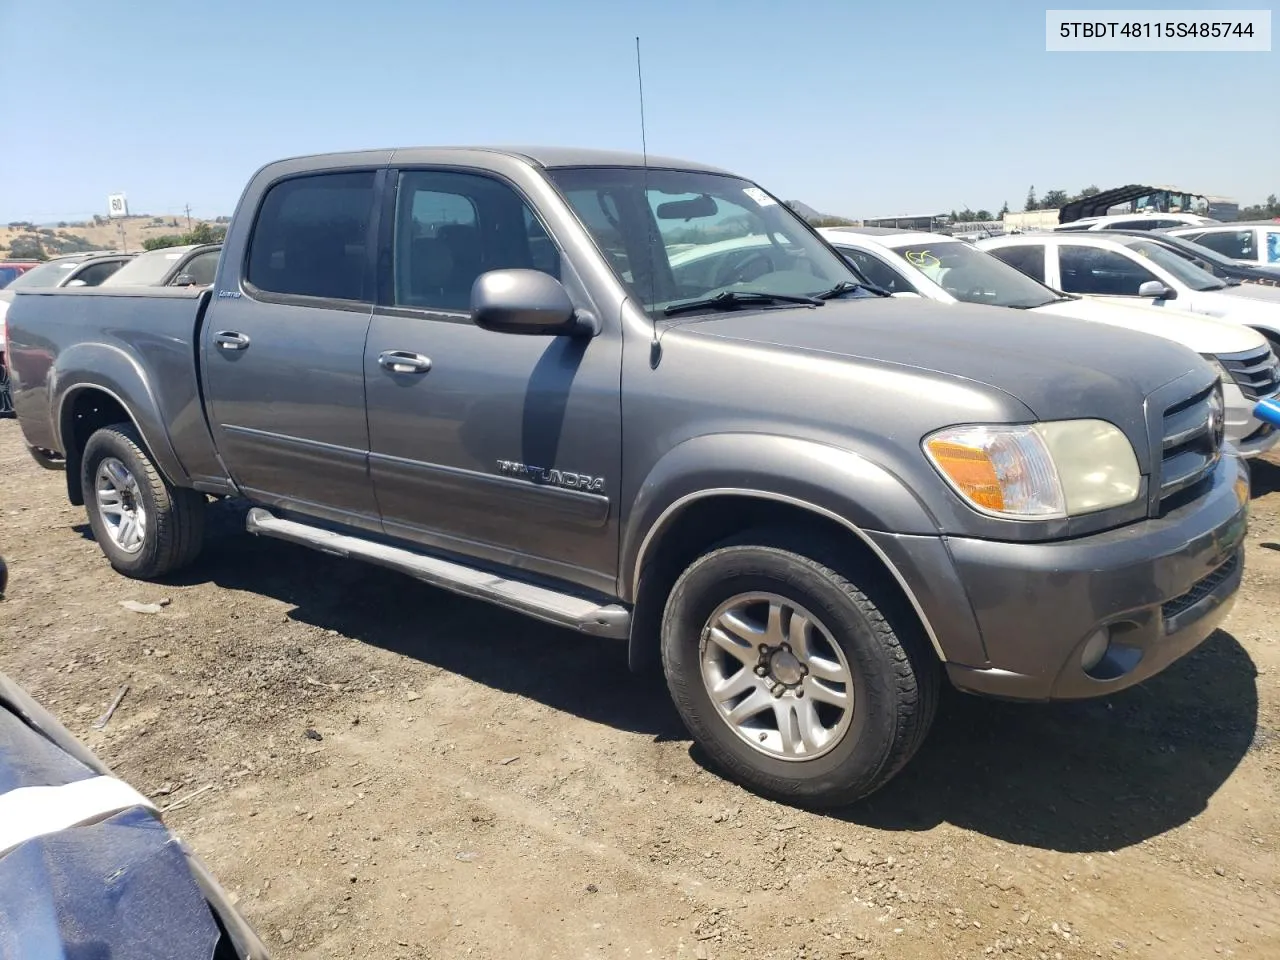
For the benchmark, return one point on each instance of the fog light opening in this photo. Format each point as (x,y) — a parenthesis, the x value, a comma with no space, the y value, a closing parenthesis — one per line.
(1095,649)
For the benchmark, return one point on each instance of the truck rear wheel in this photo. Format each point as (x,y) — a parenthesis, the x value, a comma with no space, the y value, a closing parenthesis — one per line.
(790,677)
(146,526)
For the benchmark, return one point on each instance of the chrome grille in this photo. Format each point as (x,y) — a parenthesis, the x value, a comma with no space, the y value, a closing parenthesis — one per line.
(1192,442)
(1255,373)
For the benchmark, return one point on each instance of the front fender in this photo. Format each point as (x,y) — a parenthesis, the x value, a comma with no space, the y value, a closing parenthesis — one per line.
(836,481)
(113,371)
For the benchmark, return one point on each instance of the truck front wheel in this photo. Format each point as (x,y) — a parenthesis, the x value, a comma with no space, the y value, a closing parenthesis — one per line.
(791,678)
(146,526)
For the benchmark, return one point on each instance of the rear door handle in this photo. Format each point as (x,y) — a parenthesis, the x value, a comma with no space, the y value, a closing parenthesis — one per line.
(230,340)
(402,361)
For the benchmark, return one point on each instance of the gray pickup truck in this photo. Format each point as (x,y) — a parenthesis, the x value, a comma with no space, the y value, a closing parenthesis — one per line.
(645,401)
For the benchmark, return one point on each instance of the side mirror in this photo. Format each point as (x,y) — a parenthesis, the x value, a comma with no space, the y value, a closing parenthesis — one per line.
(184,280)
(1156,290)
(529,302)
(906,293)
(76,283)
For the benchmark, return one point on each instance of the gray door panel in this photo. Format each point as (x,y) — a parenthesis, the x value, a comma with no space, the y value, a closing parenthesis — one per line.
(508,449)
(288,409)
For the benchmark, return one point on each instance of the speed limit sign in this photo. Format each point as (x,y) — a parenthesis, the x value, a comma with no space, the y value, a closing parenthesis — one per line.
(117,205)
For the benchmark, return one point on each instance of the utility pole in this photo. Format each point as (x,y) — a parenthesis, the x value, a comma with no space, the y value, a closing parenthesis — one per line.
(188,209)
(124,242)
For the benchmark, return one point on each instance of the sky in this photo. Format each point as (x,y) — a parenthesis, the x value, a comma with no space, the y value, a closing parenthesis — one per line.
(856,108)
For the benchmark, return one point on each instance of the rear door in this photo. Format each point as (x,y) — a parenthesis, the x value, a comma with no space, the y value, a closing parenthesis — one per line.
(502,447)
(283,355)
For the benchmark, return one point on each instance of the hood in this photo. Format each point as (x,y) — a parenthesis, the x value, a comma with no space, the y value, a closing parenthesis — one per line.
(1255,291)
(1247,307)
(1056,366)
(1198,332)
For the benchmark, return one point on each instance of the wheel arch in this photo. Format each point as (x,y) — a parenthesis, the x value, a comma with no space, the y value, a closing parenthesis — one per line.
(698,520)
(88,406)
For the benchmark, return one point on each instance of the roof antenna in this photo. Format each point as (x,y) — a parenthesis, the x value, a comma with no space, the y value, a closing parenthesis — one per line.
(655,349)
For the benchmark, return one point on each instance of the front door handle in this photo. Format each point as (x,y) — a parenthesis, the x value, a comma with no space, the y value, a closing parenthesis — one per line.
(402,361)
(230,340)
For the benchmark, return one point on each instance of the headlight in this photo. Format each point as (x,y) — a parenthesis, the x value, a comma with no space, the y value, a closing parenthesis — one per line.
(1039,471)
(1218,365)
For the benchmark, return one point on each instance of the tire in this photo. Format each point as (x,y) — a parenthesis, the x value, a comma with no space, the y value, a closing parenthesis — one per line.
(172,529)
(6,395)
(893,675)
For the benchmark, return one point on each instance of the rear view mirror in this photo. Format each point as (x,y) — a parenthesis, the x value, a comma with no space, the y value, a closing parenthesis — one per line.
(528,302)
(702,206)
(1156,290)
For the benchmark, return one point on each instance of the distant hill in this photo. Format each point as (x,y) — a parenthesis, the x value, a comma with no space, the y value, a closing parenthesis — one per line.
(23,239)
(813,216)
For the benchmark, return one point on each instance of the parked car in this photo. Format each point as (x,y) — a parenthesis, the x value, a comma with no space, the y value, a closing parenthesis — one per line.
(949,270)
(10,270)
(186,266)
(807,500)
(80,269)
(86,861)
(1134,269)
(1255,242)
(1211,261)
(1135,221)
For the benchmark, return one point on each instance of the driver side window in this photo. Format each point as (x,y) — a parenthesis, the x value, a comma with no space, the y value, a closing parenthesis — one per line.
(877,271)
(1100,272)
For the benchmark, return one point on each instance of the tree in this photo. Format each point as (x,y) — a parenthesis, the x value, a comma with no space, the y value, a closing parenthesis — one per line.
(27,248)
(1004,209)
(1032,203)
(983,215)
(1054,200)
(200,233)
(1089,191)
(159,243)
(1261,211)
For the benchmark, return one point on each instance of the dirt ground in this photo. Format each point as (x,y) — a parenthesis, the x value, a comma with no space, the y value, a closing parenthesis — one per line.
(396,772)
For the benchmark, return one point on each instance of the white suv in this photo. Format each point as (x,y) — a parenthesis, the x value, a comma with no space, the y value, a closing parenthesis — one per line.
(950,270)
(1135,221)
(1255,242)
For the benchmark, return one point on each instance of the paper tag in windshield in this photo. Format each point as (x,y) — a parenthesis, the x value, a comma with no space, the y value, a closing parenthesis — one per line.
(759,196)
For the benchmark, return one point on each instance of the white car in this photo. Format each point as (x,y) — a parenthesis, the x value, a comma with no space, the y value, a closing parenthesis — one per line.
(1135,221)
(949,270)
(1252,242)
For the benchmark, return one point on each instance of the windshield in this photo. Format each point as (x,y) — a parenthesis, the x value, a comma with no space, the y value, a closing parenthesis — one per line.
(147,269)
(47,274)
(973,276)
(1188,250)
(676,235)
(1184,270)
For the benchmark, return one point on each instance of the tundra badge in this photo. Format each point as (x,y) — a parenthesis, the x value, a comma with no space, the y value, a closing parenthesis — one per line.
(550,477)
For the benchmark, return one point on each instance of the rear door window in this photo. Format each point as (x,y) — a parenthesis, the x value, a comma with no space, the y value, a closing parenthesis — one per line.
(311,238)
(95,273)
(1029,259)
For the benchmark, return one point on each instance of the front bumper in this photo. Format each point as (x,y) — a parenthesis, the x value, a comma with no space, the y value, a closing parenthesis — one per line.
(1159,587)
(1250,436)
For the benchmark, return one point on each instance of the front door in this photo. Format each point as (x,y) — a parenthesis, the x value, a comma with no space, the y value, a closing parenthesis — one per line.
(284,361)
(501,447)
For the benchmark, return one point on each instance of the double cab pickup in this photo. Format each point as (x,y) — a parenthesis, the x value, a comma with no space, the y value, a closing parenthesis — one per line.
(642,399)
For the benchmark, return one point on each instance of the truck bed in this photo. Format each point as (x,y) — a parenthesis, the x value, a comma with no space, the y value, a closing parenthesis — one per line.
(127,341)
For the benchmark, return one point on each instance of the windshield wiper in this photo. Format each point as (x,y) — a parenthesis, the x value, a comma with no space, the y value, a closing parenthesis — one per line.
(848,286)
(732,299)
